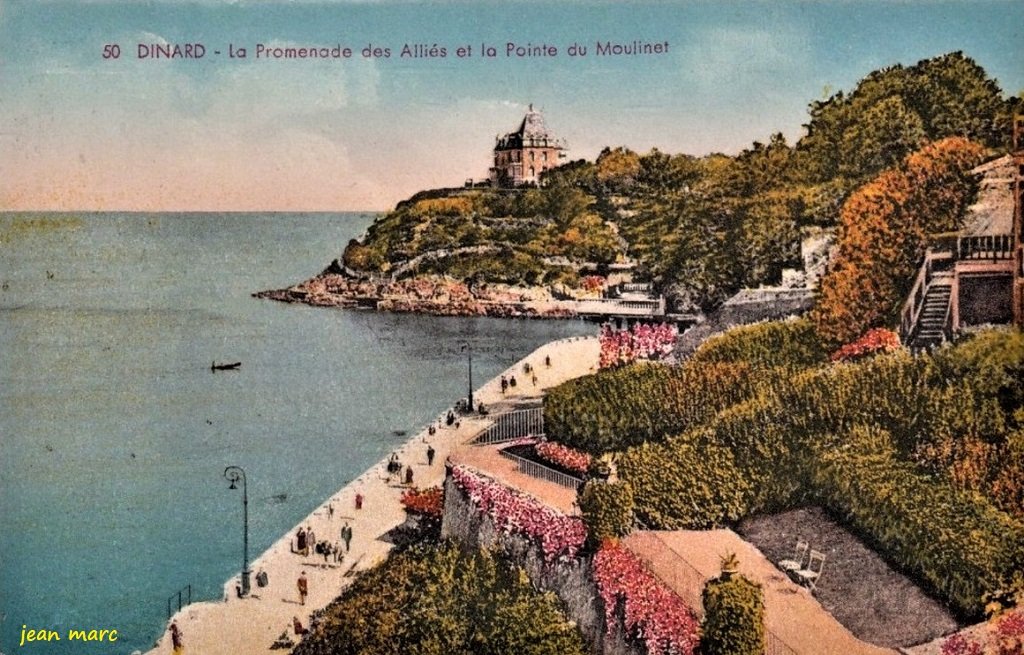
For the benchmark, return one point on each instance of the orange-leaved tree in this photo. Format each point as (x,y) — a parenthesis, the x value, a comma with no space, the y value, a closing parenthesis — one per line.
(882,231)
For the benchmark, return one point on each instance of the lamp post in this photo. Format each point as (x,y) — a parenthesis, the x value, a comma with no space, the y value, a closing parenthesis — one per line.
(469,354)
(233,474)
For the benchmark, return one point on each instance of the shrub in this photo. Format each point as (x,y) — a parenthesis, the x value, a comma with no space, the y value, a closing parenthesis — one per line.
(733,617)
(428,502)
(642,341)
(607,510)
(686,483)
(873,341)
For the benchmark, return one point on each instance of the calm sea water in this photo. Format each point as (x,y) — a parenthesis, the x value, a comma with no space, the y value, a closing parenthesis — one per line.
(114,433)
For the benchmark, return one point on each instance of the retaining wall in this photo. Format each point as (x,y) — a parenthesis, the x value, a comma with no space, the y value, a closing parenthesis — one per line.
(573,581)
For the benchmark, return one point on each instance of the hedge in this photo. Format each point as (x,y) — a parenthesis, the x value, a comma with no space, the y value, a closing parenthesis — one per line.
(956,542)
(613,410)
(686,483)
(792,344)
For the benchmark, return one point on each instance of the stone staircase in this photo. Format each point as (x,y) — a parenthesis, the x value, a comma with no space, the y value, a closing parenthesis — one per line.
(931,323)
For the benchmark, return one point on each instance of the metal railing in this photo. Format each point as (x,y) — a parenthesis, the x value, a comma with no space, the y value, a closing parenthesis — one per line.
(513,425)
(541,472)
(985,246)
(775,646)
(187,597)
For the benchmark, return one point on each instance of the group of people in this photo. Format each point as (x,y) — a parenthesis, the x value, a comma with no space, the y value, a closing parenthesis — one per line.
(394,469)
(507,382)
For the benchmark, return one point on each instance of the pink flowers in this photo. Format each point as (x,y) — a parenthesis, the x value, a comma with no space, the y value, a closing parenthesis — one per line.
(568,458)
(872,341)
(513,512)
(652,612)
(1003,636)
(643,341)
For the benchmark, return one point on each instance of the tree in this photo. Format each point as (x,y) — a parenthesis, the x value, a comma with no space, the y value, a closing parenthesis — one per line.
(882,235)
(617,169)
(886,133)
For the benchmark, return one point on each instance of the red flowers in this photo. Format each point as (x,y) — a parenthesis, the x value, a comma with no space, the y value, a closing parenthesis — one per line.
(593,283)
(643,341)
(652,612)
(872,341)
(567,458)
(559,536)
(429,502)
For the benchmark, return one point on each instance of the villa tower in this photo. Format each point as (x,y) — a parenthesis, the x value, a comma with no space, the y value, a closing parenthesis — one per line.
(521,156)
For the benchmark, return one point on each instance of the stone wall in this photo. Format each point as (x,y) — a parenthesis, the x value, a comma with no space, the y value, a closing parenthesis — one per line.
(573,581)
(747,306)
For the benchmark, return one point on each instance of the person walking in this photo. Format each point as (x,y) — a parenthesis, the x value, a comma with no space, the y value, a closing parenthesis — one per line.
(408,475)
(303,585)
(346,536)
(176,643)
(430,455)
(504,384)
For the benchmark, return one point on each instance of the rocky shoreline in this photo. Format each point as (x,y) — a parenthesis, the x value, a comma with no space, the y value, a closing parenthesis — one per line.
(432,295)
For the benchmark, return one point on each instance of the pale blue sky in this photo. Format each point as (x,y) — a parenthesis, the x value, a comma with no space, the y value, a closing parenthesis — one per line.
(79,132)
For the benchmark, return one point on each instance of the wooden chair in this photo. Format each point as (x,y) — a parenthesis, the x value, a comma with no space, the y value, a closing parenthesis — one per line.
(797,562)
(809,576)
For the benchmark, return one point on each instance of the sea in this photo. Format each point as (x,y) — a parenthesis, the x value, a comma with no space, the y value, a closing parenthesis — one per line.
(115,433)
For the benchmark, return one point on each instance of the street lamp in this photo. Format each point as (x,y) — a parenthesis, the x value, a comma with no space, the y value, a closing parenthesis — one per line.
(469,353)
(233,474)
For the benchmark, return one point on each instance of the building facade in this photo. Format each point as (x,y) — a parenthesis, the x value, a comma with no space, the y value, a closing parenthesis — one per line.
(520,157)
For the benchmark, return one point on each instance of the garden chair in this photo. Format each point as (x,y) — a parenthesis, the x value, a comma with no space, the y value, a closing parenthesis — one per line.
(815,564)
(797,562)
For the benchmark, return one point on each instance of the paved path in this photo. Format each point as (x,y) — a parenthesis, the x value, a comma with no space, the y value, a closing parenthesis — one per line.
(251,625)
(799,625)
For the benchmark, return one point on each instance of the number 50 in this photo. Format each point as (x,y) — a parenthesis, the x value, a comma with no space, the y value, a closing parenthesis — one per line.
(111,51)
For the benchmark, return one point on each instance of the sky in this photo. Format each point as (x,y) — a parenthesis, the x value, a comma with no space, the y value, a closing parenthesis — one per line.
(79,131)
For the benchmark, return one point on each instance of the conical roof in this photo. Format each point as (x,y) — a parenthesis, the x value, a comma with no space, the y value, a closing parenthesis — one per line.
(533,126)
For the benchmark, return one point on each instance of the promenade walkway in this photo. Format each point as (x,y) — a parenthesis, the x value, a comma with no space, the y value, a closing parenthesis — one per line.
(797,624)
(251,625)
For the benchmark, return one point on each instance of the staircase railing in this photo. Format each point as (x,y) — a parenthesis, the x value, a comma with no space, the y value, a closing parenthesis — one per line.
(911,310)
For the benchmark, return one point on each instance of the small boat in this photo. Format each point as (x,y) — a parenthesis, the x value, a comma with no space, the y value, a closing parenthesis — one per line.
(214,366)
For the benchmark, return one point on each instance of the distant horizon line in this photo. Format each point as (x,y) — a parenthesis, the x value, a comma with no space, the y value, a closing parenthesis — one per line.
(192,211)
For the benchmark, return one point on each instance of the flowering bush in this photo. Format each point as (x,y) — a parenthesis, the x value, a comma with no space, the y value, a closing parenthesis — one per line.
(642,341)
(593,283)
(513,512)
(1003,636)
(567,458)
(653,613)
(429,502)
(872,341)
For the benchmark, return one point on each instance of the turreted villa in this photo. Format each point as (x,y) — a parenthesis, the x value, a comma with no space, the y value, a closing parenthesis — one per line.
(521,156)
